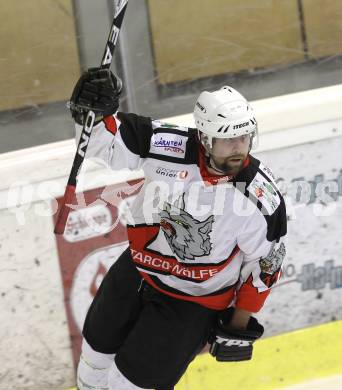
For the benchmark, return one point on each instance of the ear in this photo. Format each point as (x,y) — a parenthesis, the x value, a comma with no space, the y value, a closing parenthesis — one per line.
(207,225)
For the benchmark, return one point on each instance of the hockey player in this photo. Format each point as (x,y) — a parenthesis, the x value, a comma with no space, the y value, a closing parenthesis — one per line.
(205,245)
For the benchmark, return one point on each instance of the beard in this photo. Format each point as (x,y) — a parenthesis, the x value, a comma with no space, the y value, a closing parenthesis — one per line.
(228,166)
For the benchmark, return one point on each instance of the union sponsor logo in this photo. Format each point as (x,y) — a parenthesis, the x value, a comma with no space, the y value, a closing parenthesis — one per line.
(171,173)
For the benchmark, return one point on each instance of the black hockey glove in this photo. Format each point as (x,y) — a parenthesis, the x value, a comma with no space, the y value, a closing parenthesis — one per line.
(233,345)
(97,90)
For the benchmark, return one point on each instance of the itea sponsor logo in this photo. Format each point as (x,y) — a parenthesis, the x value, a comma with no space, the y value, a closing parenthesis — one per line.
(87,223)
(172,173)
(169,144)
(241,125)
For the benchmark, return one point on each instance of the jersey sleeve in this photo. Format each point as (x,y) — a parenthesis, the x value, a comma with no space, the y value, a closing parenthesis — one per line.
(119,141)
(263,245)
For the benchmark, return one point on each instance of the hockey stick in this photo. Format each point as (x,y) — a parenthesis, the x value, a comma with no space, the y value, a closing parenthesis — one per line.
(70,189)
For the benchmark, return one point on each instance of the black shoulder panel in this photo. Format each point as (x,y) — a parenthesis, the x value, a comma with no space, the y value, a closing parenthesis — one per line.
(276,219)
(277,222)
(136,132)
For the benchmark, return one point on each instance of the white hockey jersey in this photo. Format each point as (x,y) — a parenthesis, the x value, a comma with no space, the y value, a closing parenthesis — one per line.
(202,238)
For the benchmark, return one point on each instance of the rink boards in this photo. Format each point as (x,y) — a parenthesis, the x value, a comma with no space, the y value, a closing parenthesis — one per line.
(301,140)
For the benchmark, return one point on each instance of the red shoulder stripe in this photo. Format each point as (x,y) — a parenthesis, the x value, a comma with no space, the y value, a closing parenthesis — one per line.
(110,124)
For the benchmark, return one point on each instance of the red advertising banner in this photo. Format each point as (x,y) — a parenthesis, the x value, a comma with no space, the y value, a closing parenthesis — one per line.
(94,238)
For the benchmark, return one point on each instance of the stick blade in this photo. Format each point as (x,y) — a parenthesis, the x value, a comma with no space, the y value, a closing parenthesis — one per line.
(69,196)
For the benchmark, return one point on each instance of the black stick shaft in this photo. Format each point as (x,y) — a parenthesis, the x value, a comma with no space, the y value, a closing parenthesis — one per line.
(106,62)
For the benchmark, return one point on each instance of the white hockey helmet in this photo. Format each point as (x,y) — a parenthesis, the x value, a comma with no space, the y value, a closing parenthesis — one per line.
(224,113)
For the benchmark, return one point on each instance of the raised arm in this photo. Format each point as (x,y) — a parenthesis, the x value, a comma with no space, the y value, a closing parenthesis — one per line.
(119,140)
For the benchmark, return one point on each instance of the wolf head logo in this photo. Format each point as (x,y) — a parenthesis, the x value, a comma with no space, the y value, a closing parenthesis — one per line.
(188,238)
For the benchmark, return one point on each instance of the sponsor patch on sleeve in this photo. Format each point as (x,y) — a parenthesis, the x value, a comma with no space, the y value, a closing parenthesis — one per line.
(265,192)
(173,145)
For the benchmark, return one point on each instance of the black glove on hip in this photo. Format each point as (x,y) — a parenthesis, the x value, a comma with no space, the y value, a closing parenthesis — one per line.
(232,345)
(97,90)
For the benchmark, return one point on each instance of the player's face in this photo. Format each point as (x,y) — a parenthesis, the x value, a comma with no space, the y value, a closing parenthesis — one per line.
(229,154)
